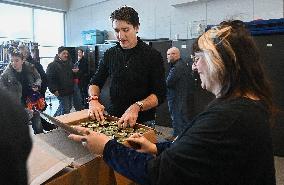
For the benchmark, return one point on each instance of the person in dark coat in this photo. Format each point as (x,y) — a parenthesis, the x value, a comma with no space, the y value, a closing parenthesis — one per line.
(84,76)
(15,141)
(179,92)
(28,58)
(77,97)
(60,80)
(81,81)
(229,143)
(19,78)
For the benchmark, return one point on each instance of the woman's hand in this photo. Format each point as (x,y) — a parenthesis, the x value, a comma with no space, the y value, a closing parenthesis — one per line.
(94,141)
(96,110)
(145,145)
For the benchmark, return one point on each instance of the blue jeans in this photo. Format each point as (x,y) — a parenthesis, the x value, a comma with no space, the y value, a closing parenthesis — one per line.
(178,121)
(77,98)
(65,105)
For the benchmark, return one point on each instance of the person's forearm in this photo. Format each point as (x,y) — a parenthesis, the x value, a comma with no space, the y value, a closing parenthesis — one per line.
(94,90)
(150,102)
(127,161)
(162,146)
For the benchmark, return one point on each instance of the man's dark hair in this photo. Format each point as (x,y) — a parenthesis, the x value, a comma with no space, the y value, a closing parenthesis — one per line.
(61,48)
(127,14)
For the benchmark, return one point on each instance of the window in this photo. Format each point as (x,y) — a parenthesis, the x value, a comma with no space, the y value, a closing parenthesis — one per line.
(32,24)
(49,28)
(49,33)
(16,22)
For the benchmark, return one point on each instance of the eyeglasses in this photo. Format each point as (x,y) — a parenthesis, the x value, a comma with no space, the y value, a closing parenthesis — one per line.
(195,58)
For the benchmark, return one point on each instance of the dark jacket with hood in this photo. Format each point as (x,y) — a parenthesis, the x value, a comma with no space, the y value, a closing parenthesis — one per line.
(60,77)
(84,77)
(18,84)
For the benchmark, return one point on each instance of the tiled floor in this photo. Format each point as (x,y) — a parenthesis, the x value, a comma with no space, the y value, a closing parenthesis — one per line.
(52,104)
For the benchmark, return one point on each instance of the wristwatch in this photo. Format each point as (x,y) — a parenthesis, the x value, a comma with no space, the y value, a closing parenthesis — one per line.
(140,104)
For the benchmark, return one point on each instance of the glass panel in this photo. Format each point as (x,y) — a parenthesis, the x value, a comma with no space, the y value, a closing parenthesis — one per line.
(49,27)
(47,51)
(16,22)
(45,61)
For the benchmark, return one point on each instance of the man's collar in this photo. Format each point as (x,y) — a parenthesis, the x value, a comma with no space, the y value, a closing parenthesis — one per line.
(139,41)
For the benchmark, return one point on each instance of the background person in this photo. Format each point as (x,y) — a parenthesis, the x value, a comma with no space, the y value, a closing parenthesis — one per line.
(84,76)
(77,96)
(19,78)
(178,91)
(60,80)
(28,58)
(24,50)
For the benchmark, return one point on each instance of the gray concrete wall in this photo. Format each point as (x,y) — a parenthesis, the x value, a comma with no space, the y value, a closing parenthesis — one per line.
(160,19)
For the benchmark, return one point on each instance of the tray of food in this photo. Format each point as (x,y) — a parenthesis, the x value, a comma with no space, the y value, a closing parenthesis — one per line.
(111,129)
(109,126)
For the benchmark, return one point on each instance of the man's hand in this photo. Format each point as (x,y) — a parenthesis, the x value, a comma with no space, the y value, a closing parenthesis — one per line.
(145,145)
(94,141)
(129,117)
(96,110)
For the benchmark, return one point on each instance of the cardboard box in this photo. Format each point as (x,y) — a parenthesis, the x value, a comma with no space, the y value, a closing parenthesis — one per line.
(55,159)
(95,172)
(45,161)
(97,165)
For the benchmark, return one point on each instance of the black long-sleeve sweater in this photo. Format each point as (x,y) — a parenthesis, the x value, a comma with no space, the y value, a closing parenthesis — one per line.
(134,74)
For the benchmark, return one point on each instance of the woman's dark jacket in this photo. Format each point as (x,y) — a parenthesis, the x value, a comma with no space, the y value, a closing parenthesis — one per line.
(227,144)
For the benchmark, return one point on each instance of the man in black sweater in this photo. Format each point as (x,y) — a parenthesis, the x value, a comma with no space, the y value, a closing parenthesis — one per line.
(136,74)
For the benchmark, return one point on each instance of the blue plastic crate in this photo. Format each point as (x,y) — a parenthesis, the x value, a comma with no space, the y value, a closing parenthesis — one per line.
(263,27)
(266,27)
(91,37)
